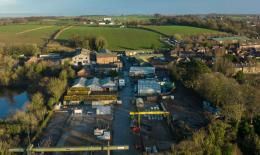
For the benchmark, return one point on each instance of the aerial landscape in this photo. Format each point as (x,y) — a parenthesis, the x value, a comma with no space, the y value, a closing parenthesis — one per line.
(125,77)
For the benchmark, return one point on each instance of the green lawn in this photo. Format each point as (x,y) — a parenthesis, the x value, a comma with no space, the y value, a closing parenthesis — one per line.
(118,38)
(182,30)
(11,34)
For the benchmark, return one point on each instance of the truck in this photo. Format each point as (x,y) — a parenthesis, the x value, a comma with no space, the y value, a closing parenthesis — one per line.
(121,83)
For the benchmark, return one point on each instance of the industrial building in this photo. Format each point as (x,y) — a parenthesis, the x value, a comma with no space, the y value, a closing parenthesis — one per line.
(142,71)
(97,85)
(147,87)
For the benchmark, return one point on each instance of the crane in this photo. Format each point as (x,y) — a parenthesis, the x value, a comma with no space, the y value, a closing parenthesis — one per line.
(139,114)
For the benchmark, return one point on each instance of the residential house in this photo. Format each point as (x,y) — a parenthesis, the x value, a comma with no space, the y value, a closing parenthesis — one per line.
(230,40)
(252,45)
(247,68)
(106,58)
(84,72)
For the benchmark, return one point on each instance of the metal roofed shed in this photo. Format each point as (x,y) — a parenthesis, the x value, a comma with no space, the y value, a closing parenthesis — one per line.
(148,87)
(108,84)
(94,84)
(142,71)
(80,82)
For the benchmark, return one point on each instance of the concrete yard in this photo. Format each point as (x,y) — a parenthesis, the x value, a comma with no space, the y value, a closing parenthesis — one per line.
(69,129)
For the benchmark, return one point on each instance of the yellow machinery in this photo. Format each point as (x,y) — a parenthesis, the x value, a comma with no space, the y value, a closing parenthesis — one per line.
(164,113)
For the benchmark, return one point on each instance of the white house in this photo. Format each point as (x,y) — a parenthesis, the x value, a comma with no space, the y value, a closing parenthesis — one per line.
(108,19)
(82,58)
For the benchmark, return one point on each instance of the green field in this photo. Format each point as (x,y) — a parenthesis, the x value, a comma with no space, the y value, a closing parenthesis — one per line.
(118,38)
(24,34)
(181,30)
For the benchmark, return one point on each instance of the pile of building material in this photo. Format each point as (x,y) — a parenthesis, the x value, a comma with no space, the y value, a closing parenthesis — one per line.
(102,134)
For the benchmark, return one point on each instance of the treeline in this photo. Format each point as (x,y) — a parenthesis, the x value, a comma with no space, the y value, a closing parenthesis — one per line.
(16,50)
(240,109)
(224,24)
(88,42)
(47,83)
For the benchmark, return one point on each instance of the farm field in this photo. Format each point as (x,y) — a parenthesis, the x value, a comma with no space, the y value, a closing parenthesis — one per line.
(118,38)
(26,34)
(182,30)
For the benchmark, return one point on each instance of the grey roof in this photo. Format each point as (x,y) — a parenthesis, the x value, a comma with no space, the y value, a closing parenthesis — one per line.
(107,82)
(142,70)
(80,82)
(146,86)
(93,81)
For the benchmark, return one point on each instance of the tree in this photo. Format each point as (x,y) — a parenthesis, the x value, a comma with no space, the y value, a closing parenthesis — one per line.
(233,112)
(76,41)
(240,77)
(37,106)
(100,43)
(224,65)
(5,78)
(56,87)
(63,75)
(113,73)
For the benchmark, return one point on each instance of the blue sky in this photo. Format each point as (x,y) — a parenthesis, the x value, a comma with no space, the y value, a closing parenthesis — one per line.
(117,7)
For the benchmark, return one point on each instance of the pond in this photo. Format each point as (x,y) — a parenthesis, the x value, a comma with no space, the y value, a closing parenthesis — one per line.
(12,101)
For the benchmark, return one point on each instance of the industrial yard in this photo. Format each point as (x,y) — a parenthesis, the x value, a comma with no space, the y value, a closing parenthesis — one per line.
(141,118)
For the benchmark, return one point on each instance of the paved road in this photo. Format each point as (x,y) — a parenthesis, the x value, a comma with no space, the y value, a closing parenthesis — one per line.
(122,134)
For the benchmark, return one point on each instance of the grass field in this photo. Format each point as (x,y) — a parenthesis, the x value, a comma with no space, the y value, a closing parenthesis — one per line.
(26,34)
(181,30)
(118,38)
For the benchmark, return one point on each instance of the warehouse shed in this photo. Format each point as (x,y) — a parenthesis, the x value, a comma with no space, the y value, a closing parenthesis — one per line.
(80,82)
(148,87)
(142,71)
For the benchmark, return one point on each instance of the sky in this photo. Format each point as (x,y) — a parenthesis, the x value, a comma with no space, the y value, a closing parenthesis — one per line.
(118,7)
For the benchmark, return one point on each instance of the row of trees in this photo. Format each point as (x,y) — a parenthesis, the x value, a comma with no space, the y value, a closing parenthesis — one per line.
(49,82)
(17,50)
(87,42)
(220,23)
(239,103)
